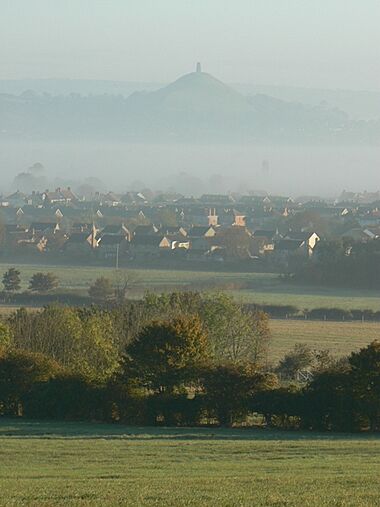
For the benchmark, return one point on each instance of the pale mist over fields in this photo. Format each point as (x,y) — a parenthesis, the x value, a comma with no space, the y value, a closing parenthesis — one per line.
(193,169)
(287,99)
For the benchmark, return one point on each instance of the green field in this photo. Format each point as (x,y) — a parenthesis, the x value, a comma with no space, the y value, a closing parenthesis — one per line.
(341,338)
(250,287)
(99,465)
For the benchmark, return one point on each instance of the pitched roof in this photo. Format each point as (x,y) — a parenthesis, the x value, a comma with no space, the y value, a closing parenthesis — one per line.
(199,230)
(262,233)
(145,230)
(147,240)
(111,239)
(78,237)
(112,229)
(288,244)
(299,235)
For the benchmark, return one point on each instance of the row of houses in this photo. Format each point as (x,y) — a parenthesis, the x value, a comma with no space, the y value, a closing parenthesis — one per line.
(146,225)
(117,241)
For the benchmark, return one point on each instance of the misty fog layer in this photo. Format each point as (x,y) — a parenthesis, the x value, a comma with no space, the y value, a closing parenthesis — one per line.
(196,135)
(194,169)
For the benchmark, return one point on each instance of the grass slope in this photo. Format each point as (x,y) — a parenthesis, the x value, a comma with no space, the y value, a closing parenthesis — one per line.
(98,465)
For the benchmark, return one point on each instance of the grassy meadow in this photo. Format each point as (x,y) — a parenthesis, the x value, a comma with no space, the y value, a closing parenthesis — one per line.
(249,287)
(88,465)
(341,338)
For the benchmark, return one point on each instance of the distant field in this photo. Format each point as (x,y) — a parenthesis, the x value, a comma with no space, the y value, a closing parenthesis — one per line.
(98,465)
(341,338)
(250,287)
(79,278)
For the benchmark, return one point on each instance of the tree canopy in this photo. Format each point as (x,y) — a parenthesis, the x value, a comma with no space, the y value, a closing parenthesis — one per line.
(166,354)
(12,280)
(43,282)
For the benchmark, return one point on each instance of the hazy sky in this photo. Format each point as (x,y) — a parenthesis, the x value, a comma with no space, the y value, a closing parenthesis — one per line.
(314,43)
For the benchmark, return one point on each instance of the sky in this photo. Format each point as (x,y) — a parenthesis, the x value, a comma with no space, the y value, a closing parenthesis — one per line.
(308,43)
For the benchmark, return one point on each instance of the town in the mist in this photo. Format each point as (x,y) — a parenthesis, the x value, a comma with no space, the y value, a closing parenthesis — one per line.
(189,253)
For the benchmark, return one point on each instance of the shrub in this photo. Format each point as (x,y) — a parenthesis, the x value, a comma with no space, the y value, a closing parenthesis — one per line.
(43,282)
(329,314)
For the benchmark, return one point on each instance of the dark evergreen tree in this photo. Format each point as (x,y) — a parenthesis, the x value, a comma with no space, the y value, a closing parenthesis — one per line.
(12,280)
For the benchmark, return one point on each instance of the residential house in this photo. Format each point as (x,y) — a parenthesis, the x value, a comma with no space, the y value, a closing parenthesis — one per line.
(15,200)
(145,230)
(300,244)
(117,230)
(308,239)
(59,196)
(147,245)
(173,231)
(112,246)
(358,234)
(263,241)
(81,244)
(43,228)
(198,231)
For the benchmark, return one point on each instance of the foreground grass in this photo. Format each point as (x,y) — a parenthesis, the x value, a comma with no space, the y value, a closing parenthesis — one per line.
(250,287)
(91,465)
(341,338)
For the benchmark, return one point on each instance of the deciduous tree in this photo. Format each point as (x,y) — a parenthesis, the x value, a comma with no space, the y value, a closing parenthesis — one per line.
(166,354)
(102,289)
(230,387)
(365,382)
(19,370)
(43,282)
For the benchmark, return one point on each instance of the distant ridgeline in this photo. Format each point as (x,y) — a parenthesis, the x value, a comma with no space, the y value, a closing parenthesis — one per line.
(195,108)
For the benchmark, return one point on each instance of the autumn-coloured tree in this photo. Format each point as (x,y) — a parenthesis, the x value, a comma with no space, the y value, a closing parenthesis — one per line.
(102,289)
(165,355)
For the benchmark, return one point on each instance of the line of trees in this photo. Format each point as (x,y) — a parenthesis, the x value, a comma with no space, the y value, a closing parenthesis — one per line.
(75,335)
(104,291)
(39,282)
(177,359)
(172,381)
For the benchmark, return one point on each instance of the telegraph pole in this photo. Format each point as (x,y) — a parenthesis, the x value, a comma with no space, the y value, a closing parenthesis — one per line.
(117,257)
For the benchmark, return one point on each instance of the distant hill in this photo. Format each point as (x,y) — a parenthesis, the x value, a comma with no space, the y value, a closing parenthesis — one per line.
(195,92)
(358,104)
(195,108)
(74,86)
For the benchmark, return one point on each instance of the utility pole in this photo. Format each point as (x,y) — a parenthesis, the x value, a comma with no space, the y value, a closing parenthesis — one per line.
(117,257)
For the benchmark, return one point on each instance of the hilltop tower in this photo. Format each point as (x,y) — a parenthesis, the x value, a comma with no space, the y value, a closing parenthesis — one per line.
(199,68)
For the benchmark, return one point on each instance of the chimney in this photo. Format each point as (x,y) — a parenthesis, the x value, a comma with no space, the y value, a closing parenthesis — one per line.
(199,68)
(212,217)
